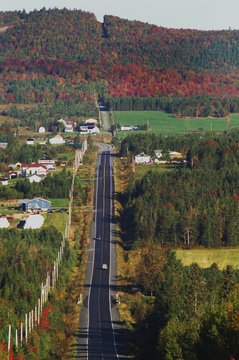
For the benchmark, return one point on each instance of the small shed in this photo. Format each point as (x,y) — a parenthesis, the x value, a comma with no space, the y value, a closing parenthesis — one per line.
(30,141)
(41,130)
(4,180)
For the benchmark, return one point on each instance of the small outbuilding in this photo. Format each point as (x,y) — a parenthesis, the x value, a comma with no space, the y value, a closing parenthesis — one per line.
(42,130)
(30,141)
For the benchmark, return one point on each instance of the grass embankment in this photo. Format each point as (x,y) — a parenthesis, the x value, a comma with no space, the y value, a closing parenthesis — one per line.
(163,123)
(206,257)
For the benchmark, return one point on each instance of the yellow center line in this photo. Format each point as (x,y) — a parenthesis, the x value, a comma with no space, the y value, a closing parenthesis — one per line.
(102,237)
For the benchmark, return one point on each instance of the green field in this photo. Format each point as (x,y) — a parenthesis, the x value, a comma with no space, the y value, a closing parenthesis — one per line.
(56,219)
(164,123)
(65,156)
(141,169)
(59,202)
(206,257)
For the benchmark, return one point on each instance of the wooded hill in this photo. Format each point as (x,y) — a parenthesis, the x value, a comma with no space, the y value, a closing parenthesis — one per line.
(124,58)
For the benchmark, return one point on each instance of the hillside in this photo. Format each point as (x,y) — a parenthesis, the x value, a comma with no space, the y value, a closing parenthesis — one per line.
(129,58)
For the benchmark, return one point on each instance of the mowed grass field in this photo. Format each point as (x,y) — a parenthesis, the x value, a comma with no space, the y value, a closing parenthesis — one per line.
(56,219)
(164,123)
(206,257)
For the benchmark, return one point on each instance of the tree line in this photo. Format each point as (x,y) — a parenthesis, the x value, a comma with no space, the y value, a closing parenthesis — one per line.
(194,106)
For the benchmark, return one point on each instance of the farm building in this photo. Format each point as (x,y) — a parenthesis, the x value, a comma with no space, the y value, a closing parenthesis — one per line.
(142,159)
(34,204)
(175,155)
(128,128)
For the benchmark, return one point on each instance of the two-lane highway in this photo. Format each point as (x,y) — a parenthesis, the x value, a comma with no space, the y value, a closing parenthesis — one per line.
(101,339)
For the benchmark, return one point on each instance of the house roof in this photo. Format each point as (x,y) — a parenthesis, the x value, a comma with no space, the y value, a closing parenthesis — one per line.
(57,137)
(142,155)
(33,166)
(25,201)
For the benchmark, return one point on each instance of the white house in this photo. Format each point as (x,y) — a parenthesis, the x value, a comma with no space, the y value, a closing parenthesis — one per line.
(142,159)
(30,169)
(57,140)
(68,123)
(89,129)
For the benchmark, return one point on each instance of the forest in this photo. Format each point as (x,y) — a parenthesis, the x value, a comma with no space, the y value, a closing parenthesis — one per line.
(26,256)
(181,312)
(193,205)
(193,314)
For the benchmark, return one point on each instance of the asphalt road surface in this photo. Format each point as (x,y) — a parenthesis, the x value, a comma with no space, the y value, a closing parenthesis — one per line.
(101,338)
(105,120)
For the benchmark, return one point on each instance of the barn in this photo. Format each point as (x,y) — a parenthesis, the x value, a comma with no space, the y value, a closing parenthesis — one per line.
(34,204)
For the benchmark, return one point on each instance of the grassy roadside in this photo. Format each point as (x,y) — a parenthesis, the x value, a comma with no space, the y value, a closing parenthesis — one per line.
(82,217)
